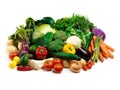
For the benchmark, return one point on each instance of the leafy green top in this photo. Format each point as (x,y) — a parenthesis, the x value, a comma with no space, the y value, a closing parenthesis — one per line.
(75,22)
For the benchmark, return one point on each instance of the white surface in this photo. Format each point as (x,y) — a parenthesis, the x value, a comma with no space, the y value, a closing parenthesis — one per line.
(105,15)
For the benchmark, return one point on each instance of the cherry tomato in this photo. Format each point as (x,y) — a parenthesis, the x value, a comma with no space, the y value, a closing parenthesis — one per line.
(87,63)
(57,60)
(89,66)
(57,68)
(48,65)
(91,62)
(12,55)
(84,68)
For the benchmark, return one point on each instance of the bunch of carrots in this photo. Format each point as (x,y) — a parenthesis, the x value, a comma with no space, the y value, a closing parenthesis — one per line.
(105,51)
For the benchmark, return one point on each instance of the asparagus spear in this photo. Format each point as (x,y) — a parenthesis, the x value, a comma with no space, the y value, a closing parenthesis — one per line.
(95,56)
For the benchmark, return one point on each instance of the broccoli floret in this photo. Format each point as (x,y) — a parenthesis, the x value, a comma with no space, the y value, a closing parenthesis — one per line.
(60,35)
(55,45)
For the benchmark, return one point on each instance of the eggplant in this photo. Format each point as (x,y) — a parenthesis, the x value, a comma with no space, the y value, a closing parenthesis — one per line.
(83,53)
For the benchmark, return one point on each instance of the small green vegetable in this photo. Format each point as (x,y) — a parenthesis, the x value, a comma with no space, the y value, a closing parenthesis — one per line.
(56,45)
(24,59)
(60,35)
(33,48)
(65,55)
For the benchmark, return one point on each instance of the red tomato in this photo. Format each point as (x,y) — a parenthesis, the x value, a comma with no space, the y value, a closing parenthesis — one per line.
(84,68)
(89,66)
(48,65)
(57,60)
(12,55)
(58,68)
(87,63)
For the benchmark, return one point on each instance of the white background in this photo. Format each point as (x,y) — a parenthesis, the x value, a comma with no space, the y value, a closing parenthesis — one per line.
(105,15)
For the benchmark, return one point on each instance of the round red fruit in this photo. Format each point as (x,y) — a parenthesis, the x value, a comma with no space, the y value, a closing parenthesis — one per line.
(58,68)
(57,60)
(84,68)
(12,55)
(48,65)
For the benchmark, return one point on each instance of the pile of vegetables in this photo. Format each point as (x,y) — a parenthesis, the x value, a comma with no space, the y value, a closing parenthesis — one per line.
(69,42)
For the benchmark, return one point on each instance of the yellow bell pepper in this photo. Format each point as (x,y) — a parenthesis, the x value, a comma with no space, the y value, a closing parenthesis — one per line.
(69,48)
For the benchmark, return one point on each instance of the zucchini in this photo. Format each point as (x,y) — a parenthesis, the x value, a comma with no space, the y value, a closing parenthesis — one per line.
(24,59)
(65,55)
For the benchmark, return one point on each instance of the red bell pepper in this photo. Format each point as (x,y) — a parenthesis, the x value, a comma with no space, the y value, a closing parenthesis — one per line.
(41,52)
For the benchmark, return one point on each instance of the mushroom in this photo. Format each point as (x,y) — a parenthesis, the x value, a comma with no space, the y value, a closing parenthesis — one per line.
(75,66)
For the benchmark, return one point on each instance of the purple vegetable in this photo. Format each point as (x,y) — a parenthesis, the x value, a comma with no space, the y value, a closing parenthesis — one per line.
(99,32)
(23,52)
(25,48)
(83,53)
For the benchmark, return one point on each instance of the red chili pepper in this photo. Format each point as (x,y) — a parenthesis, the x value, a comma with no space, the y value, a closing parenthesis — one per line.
(41,52)
(24,68)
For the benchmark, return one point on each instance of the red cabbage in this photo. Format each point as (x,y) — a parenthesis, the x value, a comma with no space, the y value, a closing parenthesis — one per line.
(99,32)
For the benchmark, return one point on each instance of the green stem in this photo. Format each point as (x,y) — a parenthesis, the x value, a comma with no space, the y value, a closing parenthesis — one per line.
(95,56)
(89,40)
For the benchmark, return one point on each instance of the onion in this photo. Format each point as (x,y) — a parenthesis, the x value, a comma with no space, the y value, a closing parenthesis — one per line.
(11,49)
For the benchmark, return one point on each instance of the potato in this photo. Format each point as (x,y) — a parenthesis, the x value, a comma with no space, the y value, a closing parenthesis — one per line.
(74,61)
(10,42)
(11,49)
(75,67)
(66,64)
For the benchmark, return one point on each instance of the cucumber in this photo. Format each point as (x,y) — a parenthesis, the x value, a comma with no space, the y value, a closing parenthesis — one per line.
(65,55)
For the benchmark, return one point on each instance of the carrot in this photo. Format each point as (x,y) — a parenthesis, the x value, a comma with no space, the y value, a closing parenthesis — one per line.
(110,48)
(90,49)
(104,49)
(101,58)
(110,55)
(92,45)
(104,55)
(94,38)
